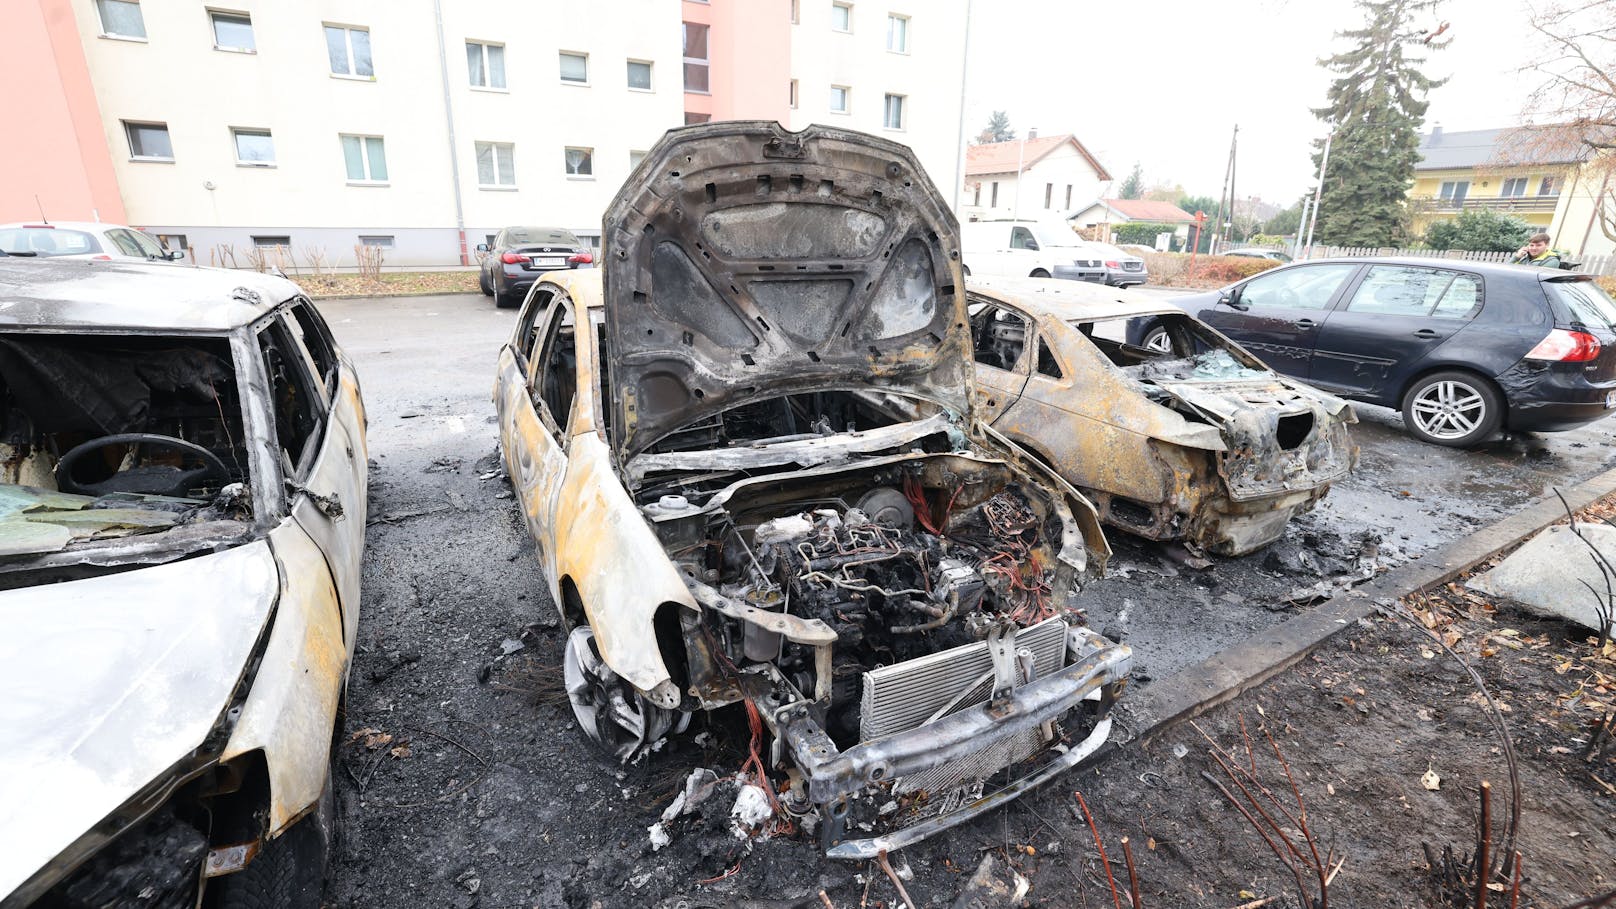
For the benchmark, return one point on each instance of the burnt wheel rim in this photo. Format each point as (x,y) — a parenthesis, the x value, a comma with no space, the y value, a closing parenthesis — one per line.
(1448,410)
(609,711)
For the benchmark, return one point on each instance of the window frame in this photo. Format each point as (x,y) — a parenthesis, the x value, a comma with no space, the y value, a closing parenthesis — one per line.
(101,21)
(650,75)
(847,99)
(559,308)
(348,49)
(841,5)
(215,13)
(561,56)
(902,108)
(493,148)
(906,20)
(1029,329)
(301,365)
(365,160)
(704,63)
(1350,279)
(235,144)
(589,161)
(485,68)
(129,137)
(1515,183)
(1549,187)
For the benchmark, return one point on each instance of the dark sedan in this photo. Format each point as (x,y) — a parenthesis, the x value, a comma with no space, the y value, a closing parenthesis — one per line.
(1464,349)
(519,255)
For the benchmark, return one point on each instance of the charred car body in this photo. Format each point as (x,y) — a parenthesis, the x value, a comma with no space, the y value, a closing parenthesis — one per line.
(181,519)
(1199,441)
(745,450)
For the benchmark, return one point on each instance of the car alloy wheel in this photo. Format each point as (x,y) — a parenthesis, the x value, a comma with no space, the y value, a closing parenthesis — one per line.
(618,719)
(1452,408)
(1158,340)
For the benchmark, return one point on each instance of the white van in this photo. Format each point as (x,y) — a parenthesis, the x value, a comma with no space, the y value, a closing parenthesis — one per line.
(1028,249)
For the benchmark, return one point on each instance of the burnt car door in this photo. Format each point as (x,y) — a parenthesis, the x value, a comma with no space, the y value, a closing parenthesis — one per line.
(536,384)
(1276,315)
(1391,320)
(319,457)
(999,337)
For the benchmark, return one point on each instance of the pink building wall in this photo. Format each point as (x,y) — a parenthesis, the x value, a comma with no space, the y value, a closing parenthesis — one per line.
(749,53)
(61,155)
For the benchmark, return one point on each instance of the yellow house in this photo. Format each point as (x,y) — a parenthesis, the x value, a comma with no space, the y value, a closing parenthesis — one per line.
(1508,170)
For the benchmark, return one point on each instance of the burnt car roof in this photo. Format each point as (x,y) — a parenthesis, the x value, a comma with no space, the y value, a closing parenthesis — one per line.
(745,262)
(1068,300)
(77,293)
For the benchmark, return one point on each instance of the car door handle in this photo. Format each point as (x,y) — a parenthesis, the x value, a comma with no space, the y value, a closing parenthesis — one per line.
(1305,323)
(1427,334)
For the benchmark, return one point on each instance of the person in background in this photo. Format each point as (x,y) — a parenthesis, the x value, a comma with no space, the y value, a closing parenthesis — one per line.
(1536,252)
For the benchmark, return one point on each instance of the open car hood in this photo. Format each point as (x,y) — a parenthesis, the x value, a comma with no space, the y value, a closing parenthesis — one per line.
(744,261)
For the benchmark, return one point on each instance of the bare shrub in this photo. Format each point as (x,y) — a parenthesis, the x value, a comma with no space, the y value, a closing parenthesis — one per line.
(369,259)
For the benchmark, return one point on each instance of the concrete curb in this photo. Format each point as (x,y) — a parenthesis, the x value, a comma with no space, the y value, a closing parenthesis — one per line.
(1233,670)
(413,293)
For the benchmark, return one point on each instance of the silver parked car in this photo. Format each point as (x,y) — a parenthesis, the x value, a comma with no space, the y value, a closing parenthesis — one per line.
(1122,268)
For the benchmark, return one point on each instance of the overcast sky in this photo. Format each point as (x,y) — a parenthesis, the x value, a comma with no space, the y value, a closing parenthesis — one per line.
(1164,82)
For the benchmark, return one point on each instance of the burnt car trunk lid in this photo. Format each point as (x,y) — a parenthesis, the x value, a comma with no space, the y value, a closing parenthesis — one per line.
(744,261)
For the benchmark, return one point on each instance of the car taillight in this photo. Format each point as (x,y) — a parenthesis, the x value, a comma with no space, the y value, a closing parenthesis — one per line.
(103,258)
(511,258)
(1566,347)
(582,258)
(1112,263)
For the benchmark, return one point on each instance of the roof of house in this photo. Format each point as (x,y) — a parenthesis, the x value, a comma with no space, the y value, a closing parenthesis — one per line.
(1510,146)
(1004,157)
(1144,210)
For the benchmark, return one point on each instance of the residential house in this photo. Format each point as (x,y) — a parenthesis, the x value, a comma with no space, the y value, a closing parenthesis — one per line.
(1057,173)
(1108,214)
(319,126)
(1512,170)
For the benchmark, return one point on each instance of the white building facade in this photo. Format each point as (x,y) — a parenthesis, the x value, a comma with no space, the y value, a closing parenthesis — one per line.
(1041,178)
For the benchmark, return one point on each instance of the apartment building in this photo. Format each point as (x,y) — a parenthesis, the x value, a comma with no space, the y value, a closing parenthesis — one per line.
(424,126)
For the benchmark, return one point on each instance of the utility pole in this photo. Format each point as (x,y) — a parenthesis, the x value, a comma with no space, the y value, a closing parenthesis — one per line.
(959,141)
(1228,227)
(1318,192)
(1224,199)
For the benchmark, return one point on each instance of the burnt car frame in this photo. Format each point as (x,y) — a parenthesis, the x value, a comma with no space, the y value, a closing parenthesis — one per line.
(746,451)
(1200,442)
(181,523)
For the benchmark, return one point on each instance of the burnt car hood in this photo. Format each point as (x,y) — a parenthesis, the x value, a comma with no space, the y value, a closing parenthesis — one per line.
(744,261)
(109,682)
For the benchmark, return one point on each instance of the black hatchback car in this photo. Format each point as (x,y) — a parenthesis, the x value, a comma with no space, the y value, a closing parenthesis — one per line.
(519,255)
(1464,349)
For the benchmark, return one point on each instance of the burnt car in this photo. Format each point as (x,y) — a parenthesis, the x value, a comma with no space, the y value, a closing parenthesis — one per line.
(519,255)
(181,521)
(746,450)
(1197,442)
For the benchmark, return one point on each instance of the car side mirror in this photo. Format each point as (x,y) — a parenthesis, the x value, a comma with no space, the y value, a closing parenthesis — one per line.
(1231,299)
(174,255)
(482,247)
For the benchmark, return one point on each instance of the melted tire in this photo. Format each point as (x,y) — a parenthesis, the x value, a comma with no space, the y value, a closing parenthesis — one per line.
(289,872)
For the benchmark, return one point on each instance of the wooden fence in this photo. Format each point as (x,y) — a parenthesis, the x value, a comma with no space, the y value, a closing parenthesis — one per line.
(1593,265)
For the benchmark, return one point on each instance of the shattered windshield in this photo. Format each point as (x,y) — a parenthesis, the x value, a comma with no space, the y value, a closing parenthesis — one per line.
(104,437)
(1168,347)
(1213,365)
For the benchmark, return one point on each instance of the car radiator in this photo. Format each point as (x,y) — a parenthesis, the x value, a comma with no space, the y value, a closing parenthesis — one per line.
(911,694)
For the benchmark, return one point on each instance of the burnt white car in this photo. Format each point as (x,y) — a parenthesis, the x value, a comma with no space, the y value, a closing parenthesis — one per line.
(747,450)
(182,512)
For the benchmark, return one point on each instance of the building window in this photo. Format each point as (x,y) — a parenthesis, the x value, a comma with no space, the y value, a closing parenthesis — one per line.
(496,164)
(692,118)
(1549,187)
(486,64)
(348,50)
(839,99)
(898,34)
(575,68)
(993,200)
(383,242)
(232,32)
(841,17)
(1454,191)
(254,147)
(1068,195)
(793,94)
(269,242)
(634,159)
(1514,186)
(580,162)
(366,159)
(1049,195)
(639,75)
(696,58)
(976,197)
(148,141)
(892,118)
(121,18)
